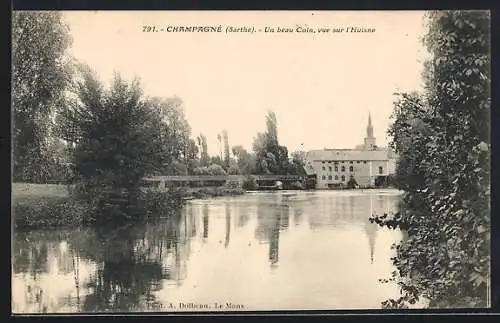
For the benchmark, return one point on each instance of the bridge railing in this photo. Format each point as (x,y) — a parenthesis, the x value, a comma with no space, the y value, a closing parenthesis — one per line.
(189,178)
(276,177)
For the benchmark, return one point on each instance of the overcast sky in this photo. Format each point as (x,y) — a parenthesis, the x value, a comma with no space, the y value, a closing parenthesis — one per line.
(320,86)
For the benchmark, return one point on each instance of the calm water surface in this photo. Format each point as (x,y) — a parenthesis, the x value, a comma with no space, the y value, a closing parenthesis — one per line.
(259,251)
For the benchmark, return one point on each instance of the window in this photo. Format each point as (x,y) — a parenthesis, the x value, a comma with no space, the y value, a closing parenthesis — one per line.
(329,177)
(343,178)
(351,161)
(323,177)
(330,168)
(358,162)
(323,162)
(323,168)
(336,168)
(364,161)
(343,168)
(351,168)
(380,170)
(336,177)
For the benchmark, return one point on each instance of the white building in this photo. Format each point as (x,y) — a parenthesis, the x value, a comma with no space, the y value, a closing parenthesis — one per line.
(334,167)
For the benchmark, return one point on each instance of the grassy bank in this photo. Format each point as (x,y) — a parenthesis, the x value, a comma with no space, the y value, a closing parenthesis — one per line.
(36,206)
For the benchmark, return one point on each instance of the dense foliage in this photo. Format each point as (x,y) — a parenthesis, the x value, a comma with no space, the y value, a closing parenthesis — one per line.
(227,156)
(43,213)
(270,156)
(442,137)
(177,154)
(214,169)
(41,71)
(245,160)
(117,137)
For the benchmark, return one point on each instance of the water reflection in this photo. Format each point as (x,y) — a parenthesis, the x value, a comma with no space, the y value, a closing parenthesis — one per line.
(316,244)
(228,225)
(205,221)
(128,272)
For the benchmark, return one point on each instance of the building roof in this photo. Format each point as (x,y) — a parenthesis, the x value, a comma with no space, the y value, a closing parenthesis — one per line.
(379,154)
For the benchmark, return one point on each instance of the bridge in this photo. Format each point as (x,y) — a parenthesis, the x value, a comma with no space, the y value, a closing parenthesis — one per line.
(161,181)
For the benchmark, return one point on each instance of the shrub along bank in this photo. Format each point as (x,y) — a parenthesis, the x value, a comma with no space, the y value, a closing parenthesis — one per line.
(34,209)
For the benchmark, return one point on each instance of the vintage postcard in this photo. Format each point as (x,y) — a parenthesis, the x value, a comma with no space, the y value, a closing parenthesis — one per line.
(209,161)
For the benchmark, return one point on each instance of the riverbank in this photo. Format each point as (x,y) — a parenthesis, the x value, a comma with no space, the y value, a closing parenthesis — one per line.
(50,205)
(210,192)
(48,212)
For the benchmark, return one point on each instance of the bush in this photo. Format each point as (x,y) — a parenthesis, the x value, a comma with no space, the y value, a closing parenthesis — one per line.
(297,186)
(233,184)
(217,191)
(213,169)
(50,212)
(250,184)
(352,183)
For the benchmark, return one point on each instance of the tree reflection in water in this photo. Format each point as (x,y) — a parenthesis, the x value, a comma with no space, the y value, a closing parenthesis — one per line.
(274,240)
(205,222)
(272,218)
(228,225)
(243,214)
(30,257)
(130,265)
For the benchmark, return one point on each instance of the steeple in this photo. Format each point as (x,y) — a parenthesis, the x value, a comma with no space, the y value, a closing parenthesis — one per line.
(369,139)
(369,128)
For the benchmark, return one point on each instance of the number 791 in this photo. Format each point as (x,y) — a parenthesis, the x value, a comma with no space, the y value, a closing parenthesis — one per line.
(147,29)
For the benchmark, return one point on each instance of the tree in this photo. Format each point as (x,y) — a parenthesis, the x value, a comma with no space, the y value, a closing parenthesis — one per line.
(41,72)
(272,130)
(411,132)
(191,156)
(298,162)
(272,143)
(283,160)
(219,140)
(271,158)
(233,168)
(175,131)
(226,149)
(204,158)
(216,160)
(117,138)
(259,144)
(244,159)
(444,144)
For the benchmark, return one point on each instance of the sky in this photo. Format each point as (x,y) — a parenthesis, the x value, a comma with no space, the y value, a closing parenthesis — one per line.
(321,86)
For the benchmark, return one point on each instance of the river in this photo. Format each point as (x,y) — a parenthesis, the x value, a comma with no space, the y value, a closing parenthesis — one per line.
(259,251)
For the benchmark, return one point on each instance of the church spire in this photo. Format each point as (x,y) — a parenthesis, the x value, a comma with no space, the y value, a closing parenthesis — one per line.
(369,128)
